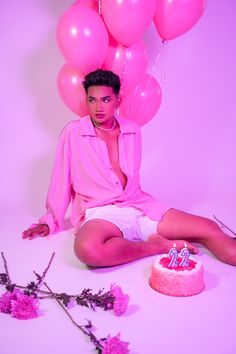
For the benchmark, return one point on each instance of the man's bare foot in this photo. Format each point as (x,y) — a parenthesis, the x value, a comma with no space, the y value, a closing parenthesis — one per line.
(164,245)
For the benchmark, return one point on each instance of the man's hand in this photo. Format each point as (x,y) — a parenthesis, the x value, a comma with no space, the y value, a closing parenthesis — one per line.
(34,230)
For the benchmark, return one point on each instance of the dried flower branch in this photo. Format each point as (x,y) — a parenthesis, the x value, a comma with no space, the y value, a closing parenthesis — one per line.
(24,305)
(32,288)
(6,269)
(223,225)
(113,299)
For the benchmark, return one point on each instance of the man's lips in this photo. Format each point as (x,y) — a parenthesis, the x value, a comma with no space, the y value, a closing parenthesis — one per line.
(99,116)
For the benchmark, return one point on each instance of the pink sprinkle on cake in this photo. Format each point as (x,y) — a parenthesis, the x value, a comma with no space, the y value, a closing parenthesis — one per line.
(177,281)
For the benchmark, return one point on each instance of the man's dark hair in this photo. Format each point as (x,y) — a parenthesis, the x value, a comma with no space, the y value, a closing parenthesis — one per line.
(102,78)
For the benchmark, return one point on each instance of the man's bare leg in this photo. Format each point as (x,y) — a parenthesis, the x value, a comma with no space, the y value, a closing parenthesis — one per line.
(101,243)
(177,224)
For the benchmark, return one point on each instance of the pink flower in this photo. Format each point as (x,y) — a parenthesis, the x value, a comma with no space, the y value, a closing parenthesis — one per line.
(19,305)
(5,300)
(24,307)
(121,300)
(115,346)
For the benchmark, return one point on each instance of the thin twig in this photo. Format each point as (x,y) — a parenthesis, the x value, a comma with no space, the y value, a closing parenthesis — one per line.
(25,287)
(223,225)
(6,269)
(47,293)
(45,272)
(45,297)
(92,337)
(43,291)
(66,311)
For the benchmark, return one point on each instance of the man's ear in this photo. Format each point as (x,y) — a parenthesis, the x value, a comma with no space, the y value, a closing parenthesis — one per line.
(119,100)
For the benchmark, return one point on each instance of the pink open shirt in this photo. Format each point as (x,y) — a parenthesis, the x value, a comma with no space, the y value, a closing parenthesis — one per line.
(82,174)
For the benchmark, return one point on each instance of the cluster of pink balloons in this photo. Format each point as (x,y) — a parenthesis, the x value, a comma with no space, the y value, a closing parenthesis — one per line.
(107,34)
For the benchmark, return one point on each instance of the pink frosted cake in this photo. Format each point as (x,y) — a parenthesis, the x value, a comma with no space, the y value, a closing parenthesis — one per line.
(177,281)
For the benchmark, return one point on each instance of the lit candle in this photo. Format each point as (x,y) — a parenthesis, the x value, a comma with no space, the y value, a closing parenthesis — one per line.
(184,253)
(173,253)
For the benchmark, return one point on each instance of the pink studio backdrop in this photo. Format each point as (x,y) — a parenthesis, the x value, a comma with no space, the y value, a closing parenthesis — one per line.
(189,146)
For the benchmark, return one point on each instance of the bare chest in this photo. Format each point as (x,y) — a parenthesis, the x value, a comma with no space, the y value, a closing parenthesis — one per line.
(111,141)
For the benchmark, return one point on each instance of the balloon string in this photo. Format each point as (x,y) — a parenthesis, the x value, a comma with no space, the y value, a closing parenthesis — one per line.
(162,60)
(122,74)
(123,65)
(100,7)
(132,107)
(124,61)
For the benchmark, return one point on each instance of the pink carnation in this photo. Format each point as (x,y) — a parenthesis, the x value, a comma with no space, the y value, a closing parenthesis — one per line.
(115,346)
(5,300)
(24,307)
(19,305)
(121,300)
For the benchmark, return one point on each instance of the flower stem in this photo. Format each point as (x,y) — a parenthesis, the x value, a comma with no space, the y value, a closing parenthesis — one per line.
(97,299)
(6,269)
(63,307)
(45,272)
(90,334)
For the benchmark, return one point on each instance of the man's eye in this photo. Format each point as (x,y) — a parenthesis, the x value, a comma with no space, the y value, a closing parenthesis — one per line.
(106,100)
(91,100)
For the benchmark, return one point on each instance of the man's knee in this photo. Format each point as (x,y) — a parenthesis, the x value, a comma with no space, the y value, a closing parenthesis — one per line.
(212,225)
(91,241)
(212,229)
(88,250)
(89,245)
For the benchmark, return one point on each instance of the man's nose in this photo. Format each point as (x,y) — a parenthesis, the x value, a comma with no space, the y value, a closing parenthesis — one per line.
(99,106)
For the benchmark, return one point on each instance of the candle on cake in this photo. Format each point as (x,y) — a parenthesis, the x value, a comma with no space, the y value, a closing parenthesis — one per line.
(173,253)
(185,254)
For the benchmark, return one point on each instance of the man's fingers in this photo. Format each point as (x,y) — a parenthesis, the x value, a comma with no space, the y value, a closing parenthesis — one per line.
(36,230)
(35,234)
(44,234)
(31,232)
(26,233)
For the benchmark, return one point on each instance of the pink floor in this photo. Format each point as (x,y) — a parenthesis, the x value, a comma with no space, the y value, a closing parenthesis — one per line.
(154,323)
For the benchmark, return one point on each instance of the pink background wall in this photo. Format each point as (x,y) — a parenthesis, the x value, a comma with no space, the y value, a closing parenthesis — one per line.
(189,147)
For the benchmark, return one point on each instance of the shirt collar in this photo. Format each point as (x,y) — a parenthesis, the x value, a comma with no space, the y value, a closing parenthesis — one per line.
(87,128)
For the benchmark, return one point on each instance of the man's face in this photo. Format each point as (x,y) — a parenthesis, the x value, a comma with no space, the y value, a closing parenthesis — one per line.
(102,103)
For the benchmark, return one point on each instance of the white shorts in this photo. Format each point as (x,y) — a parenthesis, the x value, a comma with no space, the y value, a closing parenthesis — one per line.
(134,225)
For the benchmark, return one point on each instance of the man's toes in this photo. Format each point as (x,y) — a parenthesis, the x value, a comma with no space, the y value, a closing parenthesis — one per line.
(193,249)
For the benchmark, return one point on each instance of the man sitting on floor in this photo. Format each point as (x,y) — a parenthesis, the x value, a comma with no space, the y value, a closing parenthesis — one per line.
(97,169)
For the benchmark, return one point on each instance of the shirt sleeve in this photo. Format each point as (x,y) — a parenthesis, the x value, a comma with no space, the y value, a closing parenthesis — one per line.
(59,192)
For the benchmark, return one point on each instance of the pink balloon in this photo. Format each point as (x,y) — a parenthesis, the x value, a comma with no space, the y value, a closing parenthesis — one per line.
(127,20)
(129,63)
(71,90)
(176,17)
(143,102)
(92,4)
(82,38)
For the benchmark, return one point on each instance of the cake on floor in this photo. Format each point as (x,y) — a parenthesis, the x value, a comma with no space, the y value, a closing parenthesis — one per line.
(177,281)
